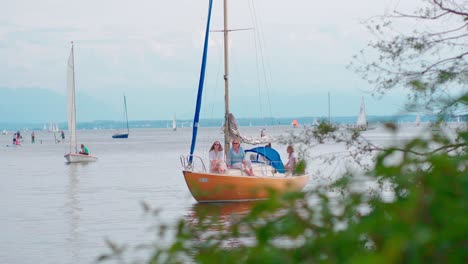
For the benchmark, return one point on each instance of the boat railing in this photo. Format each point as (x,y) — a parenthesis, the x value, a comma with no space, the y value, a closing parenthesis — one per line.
(197,162)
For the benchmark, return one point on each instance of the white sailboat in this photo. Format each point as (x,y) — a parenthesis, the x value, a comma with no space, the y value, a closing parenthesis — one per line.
(315,122)
(73,156)
(174,123)
(418,120)
(361,123)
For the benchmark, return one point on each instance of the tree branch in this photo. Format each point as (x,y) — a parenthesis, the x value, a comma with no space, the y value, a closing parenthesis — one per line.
(440,5)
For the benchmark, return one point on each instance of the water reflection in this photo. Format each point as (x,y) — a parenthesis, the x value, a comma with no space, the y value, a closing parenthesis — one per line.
(73,210)
(211,219)
(222,214)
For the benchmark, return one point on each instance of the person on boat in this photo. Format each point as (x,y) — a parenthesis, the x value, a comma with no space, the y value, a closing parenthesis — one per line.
(62,135)
(84,150)
(217,158)
(236,159)
(33,137)
(292,160)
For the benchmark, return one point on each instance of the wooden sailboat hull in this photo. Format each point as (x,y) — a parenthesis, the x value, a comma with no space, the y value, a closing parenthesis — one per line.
(77,158)
(210,187)
(120,135)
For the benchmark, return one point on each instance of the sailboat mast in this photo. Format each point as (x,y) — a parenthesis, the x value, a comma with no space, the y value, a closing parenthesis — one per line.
(126,115)
(226,81)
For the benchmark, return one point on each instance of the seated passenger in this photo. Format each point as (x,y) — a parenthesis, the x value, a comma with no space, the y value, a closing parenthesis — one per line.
(216,153)
(236,159)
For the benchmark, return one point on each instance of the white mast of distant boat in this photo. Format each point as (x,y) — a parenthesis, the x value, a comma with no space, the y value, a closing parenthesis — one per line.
(418,120)
(362,121)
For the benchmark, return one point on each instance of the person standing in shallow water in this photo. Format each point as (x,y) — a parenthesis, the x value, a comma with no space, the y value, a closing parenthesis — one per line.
(62,135)
(33,137)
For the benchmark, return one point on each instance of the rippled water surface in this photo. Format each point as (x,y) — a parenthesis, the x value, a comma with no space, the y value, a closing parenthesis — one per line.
(53,212)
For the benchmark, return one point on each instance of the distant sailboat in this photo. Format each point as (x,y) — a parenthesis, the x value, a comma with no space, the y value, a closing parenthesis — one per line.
(315,122)
(123,134)
(294,123)
(174,123)
(418,120)
(361,123)
(73,156)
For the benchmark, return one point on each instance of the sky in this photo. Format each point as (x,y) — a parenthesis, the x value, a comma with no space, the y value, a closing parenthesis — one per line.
(150,50)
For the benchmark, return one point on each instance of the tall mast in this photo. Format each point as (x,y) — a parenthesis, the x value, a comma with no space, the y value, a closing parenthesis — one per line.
(126,114)
(226,81)
(329,118)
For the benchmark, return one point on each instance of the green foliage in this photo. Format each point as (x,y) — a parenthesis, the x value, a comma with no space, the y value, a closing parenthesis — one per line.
(300,167)
(323,130)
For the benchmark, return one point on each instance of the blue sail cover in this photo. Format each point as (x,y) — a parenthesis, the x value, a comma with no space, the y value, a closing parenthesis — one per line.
(196,117)
(271,155)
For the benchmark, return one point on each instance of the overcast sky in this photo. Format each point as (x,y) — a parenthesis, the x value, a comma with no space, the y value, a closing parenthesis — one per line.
(151,50)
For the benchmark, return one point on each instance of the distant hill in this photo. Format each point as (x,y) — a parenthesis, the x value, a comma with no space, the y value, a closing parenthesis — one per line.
(37,105)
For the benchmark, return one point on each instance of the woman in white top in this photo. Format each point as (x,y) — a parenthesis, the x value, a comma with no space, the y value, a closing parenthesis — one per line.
(216,153)
(292,160)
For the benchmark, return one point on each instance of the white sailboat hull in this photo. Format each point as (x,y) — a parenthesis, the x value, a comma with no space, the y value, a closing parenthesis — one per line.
(79,158)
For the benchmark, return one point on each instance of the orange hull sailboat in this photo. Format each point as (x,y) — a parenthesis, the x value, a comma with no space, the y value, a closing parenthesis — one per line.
(233,185)
(210,187)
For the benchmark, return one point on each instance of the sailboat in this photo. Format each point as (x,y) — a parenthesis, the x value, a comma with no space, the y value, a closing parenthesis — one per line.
(361,123)
(174,123)
(123,135)
(234,186)
(418,120)
(294,123)
(73,156)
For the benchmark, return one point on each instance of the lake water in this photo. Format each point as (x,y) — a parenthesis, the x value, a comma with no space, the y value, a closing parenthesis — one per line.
(53,212)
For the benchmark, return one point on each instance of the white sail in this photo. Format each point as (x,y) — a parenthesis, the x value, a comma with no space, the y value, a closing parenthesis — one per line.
(362,120)
(418,120)
(71,107)
(315,122)
(174,123)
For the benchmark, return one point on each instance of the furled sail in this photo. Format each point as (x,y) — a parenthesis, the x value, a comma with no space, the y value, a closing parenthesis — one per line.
(234,133)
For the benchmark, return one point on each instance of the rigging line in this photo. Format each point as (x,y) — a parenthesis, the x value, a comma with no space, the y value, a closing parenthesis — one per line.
(216,86)
(252,15)
(266,71)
